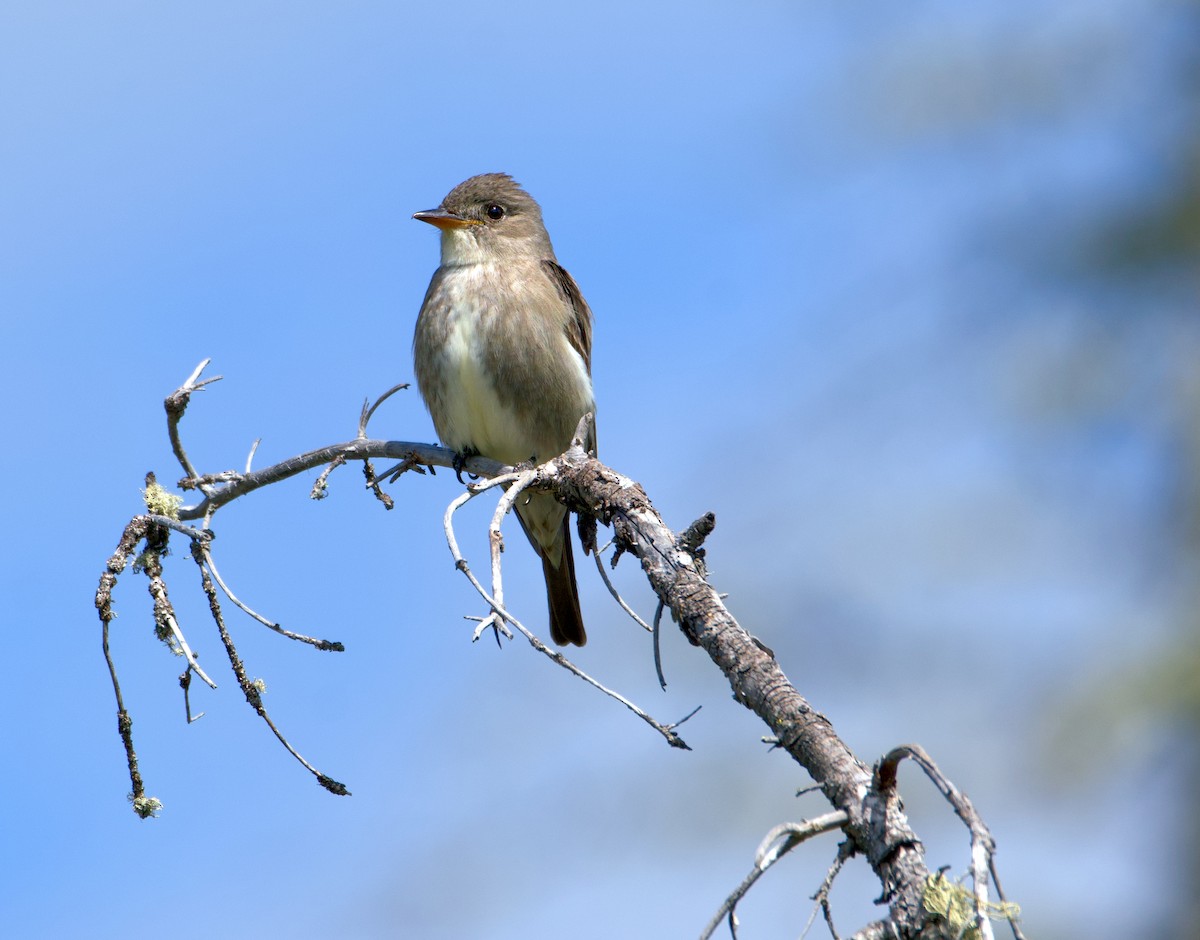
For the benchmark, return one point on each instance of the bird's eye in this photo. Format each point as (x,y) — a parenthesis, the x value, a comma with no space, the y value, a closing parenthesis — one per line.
(495,212)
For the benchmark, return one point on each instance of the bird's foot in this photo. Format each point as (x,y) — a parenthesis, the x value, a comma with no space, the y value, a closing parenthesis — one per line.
(460,462)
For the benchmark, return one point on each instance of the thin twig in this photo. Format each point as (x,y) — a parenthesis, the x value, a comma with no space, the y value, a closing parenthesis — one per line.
(176,404)
(393,473)
(777,843)
(185,683)
(495,619)
(196,535)
(515,484)
(253,451)
(657,632)
(613,591)
(252,690)
(365,418)
(320,487)
(845,851)
(499,616)
(1012,922)
(326,645)
(164,611)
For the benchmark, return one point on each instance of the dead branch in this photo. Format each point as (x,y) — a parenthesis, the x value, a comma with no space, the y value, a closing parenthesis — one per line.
(866,805)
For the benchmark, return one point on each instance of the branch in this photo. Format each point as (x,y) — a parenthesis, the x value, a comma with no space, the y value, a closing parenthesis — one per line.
(875,823)
(866,806)
(777,843)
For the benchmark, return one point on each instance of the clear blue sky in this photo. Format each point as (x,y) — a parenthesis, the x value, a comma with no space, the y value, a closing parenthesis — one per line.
(829,252)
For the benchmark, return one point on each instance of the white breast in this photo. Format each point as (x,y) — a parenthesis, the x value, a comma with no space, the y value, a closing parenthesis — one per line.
(473,415)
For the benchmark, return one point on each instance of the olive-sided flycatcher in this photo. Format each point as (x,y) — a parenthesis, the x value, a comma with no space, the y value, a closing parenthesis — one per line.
(503,353)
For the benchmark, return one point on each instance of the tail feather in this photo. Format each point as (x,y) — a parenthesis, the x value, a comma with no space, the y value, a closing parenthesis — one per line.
(548,527)
(566,620)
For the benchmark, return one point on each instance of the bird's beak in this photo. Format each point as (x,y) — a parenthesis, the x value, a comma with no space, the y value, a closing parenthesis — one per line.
(443,219)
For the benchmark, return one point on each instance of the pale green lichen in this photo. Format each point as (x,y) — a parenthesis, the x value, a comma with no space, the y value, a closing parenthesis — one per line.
(146,806)
(161,502)
(955,903)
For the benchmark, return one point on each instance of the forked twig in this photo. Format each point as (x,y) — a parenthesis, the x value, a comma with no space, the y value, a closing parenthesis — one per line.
(499,617)
(253,689)
(367,411)
(983,846)
(845,851)
(176,404)
(777,843)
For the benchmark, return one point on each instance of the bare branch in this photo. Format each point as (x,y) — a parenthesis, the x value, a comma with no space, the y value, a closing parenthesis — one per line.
(235,486)
(866,806)
(253,689)
(877,827)
(500,617)
(777,843)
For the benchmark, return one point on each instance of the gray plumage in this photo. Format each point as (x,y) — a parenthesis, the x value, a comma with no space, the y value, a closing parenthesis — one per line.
(503,357)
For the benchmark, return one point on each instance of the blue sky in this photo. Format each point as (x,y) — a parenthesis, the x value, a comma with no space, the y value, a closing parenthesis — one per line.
(834,258)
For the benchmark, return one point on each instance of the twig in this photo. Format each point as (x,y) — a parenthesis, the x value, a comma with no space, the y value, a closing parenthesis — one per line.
(514,485)
(657,652)
(252,690)
(393,473)
(845,851)
(613,591)
(176,404)
(499,617)
(320,487)
(133,533)
(158,590)
(326,645)
(253,451)
(164,611)
(407,463)
(496,618)
(196,535)
(1012,923)
(367,412)
(777,843)
(185,683)
(423,454)
(667,731)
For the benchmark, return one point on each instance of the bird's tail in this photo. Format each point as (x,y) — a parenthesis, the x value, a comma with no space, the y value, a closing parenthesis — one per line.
(566,620)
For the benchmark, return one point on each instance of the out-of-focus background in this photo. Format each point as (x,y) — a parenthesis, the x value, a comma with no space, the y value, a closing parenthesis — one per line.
(906,294)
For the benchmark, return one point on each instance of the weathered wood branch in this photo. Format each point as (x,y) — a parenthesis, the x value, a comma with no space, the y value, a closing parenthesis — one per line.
(866,803)
(877,827)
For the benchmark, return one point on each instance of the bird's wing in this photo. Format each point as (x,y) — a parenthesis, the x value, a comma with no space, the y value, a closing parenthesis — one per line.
(579,324)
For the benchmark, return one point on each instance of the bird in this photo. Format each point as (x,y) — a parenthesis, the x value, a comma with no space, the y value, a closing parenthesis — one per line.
(503,358)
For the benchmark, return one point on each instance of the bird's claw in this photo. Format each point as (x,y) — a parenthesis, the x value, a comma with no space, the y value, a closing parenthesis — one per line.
(459,464)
